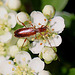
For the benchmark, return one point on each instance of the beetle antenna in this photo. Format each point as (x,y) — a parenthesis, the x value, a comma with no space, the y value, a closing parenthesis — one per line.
(52,47)
(21,22)
(23,43)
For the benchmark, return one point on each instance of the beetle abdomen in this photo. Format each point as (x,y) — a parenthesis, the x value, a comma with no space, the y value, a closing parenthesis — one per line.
(24,32)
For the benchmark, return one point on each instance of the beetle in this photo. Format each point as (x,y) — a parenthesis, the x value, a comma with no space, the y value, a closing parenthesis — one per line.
(26,32)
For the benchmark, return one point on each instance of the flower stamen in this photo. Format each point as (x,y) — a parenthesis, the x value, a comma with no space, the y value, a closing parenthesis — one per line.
(41,43)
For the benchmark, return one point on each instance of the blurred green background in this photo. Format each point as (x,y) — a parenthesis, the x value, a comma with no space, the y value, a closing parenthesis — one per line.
(66,51)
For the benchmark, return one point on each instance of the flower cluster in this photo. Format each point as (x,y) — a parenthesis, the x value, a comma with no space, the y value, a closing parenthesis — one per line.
(14,52)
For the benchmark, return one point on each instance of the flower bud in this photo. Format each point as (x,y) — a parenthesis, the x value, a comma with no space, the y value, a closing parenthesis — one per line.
(13,50)
(48,54)
(14,4)
(22,17)
(48,11)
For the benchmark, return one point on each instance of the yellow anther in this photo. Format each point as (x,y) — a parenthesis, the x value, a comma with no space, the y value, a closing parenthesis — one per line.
(32,39)
(9,62)
(53,35)
(23,59)
(1,3)
(18,67)
(43,36)
(30,22)
(6,15)
(32,71)
(1,48)
(24,73)
(14,60)
(25,69)
(0,26)
(21,69)
(46,35)
(44,41)
(1,44)
(13,69)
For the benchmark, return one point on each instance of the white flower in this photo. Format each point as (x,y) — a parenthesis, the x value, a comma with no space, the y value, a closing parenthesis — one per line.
(14,4)
(36,64)
(12,20)
(13,50)
(57,24)
(38,19)
(36,47)
(22,16)
(7,67)
(23,58)
(3,13)
(48,10)
(44,72)
(48,54)
(7,19)
(2,58)
(21,41)
(6,37)
(55,41)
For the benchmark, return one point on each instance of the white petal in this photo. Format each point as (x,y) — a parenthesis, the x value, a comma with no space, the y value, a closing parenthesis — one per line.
(2,58)
(56,41)
(6,68)
(44,72)
(36,47)
(37,17)
(48,54)
(3,13)
(48,10)
(57,23)
(6,37)
(23,58)
(14,4)
(12,20)
(22,16)
(13,50)
(36,64)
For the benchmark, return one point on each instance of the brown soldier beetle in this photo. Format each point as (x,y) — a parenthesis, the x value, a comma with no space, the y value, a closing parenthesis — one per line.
(29,31)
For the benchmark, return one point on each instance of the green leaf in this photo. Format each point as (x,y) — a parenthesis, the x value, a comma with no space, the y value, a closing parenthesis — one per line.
(64,70)
(72,71)
(58,4)
(17,27)
(67,18)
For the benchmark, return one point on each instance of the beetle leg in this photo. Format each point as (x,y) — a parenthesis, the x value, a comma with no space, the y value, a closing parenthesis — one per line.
(21,22)
(23,43)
